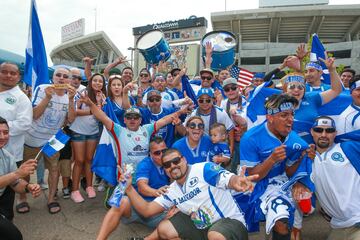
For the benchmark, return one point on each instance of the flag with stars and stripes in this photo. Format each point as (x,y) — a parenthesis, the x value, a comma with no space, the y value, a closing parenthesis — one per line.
(243,76)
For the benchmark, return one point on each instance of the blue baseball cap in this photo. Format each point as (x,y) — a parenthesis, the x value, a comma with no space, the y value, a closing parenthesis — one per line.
(259,75)
(205,91)
(324,121)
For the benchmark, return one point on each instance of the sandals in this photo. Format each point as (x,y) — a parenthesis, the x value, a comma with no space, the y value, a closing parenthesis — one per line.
(53,205)
(22,205)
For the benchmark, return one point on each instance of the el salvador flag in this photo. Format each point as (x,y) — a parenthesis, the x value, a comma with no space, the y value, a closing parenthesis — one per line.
(107,155)
(36,67)
(318,51)
(55,143)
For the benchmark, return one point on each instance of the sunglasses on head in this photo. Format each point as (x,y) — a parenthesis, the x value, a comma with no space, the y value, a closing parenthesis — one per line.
(77,77)
(154,99)
(132,117)
(204,100)
(144,75)
(158,152)
(227,89)
(206,78)
(64,75)
(193,125)
(298,86)
(115,76)
(321,130)
(174,161)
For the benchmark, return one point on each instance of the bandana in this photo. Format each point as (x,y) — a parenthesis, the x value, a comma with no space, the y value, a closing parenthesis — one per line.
(314,65)
(295,78)
(283,107)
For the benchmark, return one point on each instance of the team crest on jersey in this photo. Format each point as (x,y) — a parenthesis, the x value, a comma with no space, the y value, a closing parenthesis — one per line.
(203,154)
(137,138)
(296,146)
(10,100)
(305,103)
(215,167)
(193,181)
(202,218)
(337,157)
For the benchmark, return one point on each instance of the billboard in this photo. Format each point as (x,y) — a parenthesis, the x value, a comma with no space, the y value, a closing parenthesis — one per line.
(73,30)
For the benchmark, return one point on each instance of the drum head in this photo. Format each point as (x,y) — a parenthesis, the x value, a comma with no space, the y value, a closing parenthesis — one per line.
(149,39)
(221,41)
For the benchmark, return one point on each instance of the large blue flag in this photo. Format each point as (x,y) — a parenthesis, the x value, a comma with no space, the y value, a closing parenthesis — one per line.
(36,67)
(318,51)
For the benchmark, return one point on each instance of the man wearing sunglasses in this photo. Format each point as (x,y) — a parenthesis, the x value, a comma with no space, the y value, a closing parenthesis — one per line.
(145,80)
(76,79)
(151,182)
(336,174)
(202,194)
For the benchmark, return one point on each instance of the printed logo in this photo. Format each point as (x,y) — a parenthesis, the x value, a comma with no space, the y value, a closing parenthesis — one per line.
(137,139)
(193,181)
(203,154)
(305,103)
(10,100)
(337,157)
(296,146)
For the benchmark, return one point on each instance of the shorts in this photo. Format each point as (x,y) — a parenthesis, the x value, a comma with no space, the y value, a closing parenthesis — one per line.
(231,229)
(50,163)
(65,167)
(77,137)
(151,222)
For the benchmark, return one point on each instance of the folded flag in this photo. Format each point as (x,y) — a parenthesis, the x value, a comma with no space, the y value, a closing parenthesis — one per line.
(55,143)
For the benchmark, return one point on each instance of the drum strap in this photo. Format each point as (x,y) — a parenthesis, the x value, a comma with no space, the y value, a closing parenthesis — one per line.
(213,117)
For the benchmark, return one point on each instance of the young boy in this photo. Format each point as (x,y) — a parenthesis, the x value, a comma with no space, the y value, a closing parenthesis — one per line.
(219,152)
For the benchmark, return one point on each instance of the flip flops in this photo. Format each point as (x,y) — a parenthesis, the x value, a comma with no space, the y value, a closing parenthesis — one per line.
(21,205)
(53,205)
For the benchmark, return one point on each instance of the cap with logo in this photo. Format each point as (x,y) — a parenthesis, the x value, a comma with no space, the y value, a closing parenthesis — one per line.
(132,111)
(205,91)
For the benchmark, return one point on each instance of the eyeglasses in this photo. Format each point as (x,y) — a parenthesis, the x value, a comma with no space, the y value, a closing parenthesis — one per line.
(321,130)
(204,100)
(144,75)
(193,125)
(206,78)
(233,88)
(64,75)
(158,152)
(76,77)
(132,117)
(174,161)
(293,86)
(154,100)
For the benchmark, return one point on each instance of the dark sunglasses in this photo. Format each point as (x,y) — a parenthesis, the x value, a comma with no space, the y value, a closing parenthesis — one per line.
(154,99)
(204,100)
(158,152)
(144,75)
(198,126)
(64,75)
(321,130)
(293,86)
(132,117)
(76,77)
(206,78)
(233,88)
(174,161)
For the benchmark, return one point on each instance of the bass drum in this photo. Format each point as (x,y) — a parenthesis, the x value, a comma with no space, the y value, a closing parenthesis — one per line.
(224,46)
(153,47)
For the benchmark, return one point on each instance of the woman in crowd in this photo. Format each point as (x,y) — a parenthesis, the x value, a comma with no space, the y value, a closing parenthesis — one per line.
(85,136)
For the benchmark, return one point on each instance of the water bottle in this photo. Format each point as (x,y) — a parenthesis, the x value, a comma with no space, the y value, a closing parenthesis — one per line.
(305,202)
(120,188)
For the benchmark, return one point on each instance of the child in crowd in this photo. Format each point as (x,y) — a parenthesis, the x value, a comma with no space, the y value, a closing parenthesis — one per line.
(219,152)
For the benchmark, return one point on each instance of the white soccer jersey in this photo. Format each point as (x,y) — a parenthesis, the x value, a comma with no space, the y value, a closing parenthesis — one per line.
(337,187)
(204,196)
(345,123)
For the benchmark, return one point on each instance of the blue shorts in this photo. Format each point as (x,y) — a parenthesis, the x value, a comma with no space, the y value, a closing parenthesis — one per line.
(77,137)
(151,222)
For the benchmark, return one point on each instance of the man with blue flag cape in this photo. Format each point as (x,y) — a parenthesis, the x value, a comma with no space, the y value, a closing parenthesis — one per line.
(278,155)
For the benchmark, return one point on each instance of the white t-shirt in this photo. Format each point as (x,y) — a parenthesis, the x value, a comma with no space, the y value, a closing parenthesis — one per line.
(86,125)
(337,185)
(204,196)
(16,109)
(344,122)
(49,123)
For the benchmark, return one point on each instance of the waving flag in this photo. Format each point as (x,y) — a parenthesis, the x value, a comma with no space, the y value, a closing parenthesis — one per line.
(318,51)
(188,89)
(107,155)
(243,76)
(55,143)
(36,67)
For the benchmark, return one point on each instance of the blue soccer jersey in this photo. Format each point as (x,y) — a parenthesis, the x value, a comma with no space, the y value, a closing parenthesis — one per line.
(323,87)
(197,155)
(221,149)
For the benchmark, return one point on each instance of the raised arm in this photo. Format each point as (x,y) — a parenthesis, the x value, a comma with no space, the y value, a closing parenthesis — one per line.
(170,118)
(88,62)
(336,86)
(110,66)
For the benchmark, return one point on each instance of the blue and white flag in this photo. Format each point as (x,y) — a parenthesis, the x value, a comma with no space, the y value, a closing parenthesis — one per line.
(55,143)
(36,67)
(318,51)
(107,155)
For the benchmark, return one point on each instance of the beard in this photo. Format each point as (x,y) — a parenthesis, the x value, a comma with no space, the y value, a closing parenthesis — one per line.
(323,144)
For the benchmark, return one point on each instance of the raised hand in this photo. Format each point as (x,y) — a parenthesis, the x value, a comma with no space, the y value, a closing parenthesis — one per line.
(49,91)
(329,62)
(242,183)
(88,60)
(301,51)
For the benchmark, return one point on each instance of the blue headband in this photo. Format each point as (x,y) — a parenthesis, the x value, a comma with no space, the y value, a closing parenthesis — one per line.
(324,122)
(295,78)
(354,85)
(283,107)
(314,65)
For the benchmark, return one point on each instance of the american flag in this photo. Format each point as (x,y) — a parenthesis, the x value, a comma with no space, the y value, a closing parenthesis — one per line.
(243,76)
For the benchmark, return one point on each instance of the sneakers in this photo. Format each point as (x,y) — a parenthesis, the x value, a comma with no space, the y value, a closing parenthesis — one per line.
(76,196)
(66,193)
(90,192)
(43,186)
(102,186)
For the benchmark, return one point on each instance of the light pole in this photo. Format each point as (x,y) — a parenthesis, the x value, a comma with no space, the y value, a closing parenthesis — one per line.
(132,55)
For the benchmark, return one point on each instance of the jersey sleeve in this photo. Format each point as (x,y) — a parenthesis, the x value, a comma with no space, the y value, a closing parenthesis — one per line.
(226,120)
(143,170)
(216,176)
(37,96)
(150,128)
(248,152)
(164,201)
(225,150)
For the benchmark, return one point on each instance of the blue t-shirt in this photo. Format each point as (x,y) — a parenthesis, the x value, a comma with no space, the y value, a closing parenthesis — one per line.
(308,109)
(155,175)
(323,87)
(221,148)
(178,92)
(197,155)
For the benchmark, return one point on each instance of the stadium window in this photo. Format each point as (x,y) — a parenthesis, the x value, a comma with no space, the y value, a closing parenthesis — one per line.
(341,54)
(277,59)
(253,61)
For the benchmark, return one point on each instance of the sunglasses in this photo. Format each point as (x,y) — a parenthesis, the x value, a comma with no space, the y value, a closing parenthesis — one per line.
(174,161)
(321,130)
(198,126)
(64,75)
(115,76)
(204,100)
(158,152)
(233,88)
(76,77)
(293,86)
(154,100)
(132,117)
(144,75)
(206,78)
